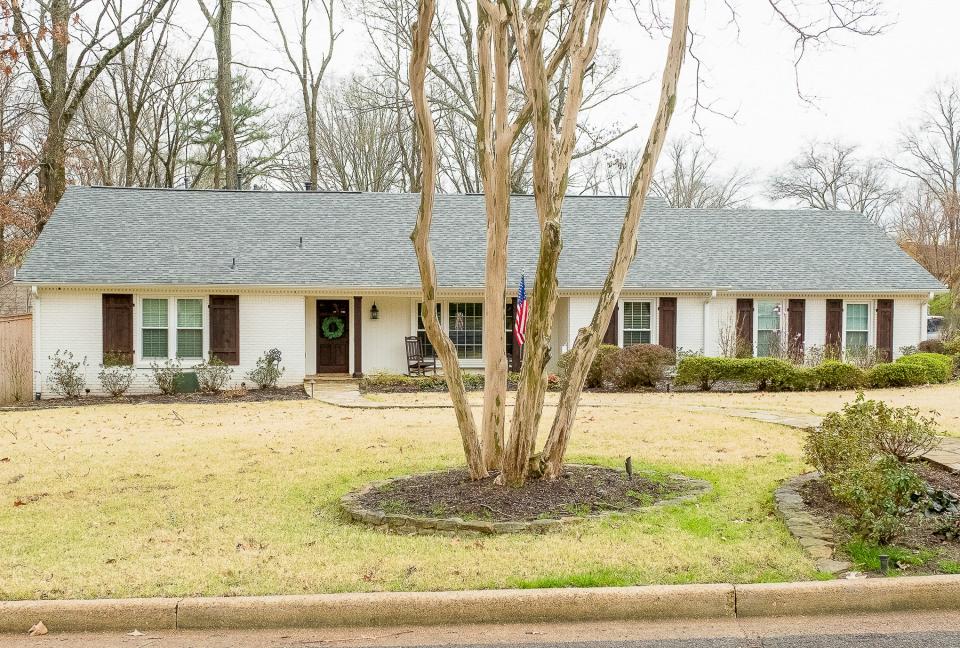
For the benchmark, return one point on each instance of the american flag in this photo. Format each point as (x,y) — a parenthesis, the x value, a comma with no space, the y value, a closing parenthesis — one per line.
(520,316)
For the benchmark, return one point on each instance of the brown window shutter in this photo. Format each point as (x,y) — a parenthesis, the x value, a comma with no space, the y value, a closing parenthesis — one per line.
(225,328)
(885,327)
(744,327)
(835,324)
(610,337)
(796,326)
(118,326)
(668,322)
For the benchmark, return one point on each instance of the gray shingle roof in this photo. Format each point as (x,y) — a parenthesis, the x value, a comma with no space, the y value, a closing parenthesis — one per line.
(156,236)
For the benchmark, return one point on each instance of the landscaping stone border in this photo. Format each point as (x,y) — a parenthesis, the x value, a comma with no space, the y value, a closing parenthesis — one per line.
(813,533)
(354,510)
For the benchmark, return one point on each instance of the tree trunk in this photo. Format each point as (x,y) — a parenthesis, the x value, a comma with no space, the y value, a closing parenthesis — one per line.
(589,339)
(222,27)
(494,138)
(447,353)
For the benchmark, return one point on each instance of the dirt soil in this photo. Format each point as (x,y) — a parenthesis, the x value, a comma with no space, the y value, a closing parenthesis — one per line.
(581,490)
(920,536)
(228,396)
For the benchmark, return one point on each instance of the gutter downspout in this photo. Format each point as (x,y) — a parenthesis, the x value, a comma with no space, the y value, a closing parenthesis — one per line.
(707,341)
(35,326)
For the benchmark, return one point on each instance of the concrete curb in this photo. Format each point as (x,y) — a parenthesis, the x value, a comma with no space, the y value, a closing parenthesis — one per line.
(93,615)
(848,596)
(489,606)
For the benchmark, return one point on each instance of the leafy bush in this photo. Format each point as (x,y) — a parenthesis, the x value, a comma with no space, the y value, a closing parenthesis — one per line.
(767,373)
(701,371)
(268,370)
(833,374)
(66,377)
(639,365)
(930,346)
(116,374)
(862,452)
(212,375)
(595,376)
(916,369)
(938,368)
(166,375)
(390,382)
(878,494)
(952,346)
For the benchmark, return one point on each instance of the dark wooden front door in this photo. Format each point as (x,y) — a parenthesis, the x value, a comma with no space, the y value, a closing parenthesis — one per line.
(333,353)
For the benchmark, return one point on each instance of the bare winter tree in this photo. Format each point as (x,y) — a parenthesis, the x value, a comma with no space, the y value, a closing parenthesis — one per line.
(219,15)
(833,176)
(67,45)
(308,73)
(689,177)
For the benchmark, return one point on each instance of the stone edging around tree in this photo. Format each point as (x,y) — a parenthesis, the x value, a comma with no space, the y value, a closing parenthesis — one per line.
(691,489)
(813,533)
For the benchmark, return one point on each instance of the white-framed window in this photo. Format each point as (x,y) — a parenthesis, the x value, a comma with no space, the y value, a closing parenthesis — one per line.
(465,326)
(768,327)
(425,345)
(637,322)
(190,328)
(154,334)
(857,326)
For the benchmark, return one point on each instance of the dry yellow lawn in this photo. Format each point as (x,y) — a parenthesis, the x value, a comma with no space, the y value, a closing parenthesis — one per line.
(145,500)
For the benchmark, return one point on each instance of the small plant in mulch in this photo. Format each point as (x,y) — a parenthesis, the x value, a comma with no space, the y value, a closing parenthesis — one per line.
(581,491)
(166,375)
(67,377)
(266,374)
(116,374)
(880,493)
(212,375)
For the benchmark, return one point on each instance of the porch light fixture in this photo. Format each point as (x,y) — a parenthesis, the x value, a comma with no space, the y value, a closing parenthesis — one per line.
(374,311)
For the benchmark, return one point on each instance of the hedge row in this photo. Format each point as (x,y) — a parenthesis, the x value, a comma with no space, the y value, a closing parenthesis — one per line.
(780,375)
(388,382)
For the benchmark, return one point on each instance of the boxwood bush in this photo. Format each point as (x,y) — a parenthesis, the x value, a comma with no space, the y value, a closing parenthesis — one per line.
(701,371)
(833,374)
(595,377)
(937,367)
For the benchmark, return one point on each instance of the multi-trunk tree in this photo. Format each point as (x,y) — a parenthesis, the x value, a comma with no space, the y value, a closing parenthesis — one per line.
(520,50)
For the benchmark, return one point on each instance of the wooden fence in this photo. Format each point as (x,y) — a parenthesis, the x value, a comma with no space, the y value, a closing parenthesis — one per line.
(16,358)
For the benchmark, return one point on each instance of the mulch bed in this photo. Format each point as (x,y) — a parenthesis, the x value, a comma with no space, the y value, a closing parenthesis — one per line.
(229,396)
(920,536)
(582,490)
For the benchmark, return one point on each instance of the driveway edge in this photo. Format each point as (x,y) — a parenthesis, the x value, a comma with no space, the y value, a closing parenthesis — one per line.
(654,602)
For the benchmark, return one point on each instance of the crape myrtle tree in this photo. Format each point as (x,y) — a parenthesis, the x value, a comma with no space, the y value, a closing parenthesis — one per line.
(541,38)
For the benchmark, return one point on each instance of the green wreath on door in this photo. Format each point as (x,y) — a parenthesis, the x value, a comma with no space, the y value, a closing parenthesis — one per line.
(332,327)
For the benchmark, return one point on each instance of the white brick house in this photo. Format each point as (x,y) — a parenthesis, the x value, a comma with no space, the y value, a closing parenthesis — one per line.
(175,273)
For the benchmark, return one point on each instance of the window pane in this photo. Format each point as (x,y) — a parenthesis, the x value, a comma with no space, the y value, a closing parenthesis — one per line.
(636,315)
(767,317)
(189,313)
(155,343)
(635,337)
(425,345)
(857,317)
(466,329)
(155,313)
(856,339)
(189,343)
(508,325)
(764,342)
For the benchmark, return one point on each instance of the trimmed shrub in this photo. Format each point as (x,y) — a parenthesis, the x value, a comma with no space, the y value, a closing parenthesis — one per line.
(937,367)
(896,374)
(767,373)
(66,377)
(212,375)
(268,370)
(166,375)
(833,374)
(116,374)
(595,376)
(639,365)
(701,371)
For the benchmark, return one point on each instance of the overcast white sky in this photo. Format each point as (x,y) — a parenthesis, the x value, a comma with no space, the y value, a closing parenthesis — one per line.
(863,89)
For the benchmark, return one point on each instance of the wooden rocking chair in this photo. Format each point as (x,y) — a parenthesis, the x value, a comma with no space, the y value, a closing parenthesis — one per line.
(417,365)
